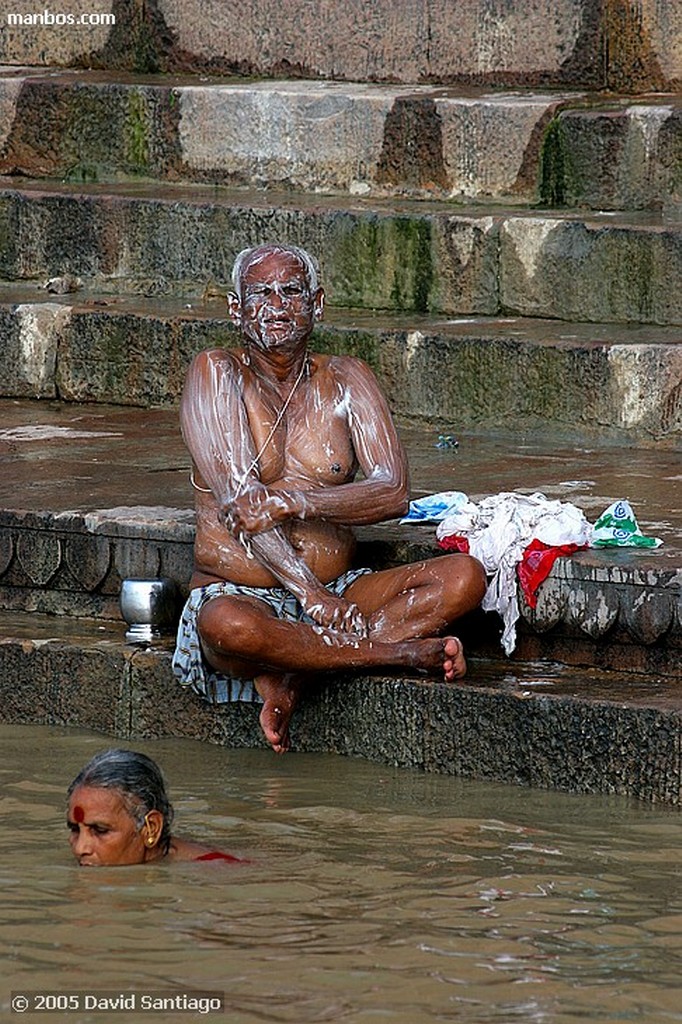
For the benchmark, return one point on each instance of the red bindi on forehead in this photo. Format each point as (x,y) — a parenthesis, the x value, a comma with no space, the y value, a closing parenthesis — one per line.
(78,813)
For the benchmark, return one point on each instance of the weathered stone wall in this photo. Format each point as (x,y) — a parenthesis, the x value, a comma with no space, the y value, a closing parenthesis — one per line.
(418,259)
(622,382)
(586,736)
(627,45)
(556,148)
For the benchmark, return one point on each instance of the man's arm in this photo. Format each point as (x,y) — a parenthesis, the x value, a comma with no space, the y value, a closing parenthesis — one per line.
(215,425)
(382,493)
(216,430)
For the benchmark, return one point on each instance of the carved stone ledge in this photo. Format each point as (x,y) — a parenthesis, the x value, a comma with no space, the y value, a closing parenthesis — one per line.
(6,550)
(88,559)
(649,617)
(647,614)
(74,564)
(549,611)
(602,598)
(133,558)
(39,554)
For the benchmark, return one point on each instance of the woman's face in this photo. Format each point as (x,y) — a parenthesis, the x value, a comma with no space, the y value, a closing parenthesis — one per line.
(102,830)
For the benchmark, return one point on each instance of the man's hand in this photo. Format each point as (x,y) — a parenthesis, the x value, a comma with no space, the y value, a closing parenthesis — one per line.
(335,615)
(260,509)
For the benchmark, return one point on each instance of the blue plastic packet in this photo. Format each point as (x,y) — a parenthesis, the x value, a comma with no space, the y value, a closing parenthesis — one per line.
(435,507)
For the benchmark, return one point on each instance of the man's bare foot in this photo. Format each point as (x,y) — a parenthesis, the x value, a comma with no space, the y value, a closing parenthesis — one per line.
(454,665)
(280,697)
(436,655)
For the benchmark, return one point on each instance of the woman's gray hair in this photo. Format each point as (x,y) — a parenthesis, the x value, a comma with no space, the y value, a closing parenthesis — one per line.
(248,256)
(139,781)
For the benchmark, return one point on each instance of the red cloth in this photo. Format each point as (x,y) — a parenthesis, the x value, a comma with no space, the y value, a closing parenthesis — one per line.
(217,855)
(536,564)
(454,543)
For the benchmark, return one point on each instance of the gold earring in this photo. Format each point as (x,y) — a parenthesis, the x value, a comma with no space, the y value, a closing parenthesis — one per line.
(150,839)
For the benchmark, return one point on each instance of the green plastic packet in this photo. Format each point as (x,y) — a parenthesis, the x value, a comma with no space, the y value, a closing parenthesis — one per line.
(617,528)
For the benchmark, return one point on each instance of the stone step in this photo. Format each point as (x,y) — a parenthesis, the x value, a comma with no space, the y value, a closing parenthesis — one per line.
(335,137)
(618,383)
(617,45)
(91,495)
(533,725)
(375,254)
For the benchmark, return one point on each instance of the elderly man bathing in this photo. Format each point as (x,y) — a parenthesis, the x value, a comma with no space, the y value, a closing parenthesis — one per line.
(290,451)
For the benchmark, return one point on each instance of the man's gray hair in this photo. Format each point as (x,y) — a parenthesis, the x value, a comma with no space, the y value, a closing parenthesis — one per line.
(248,256)
(137,779)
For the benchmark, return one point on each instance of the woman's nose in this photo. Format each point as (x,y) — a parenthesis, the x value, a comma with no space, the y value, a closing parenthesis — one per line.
(80,842)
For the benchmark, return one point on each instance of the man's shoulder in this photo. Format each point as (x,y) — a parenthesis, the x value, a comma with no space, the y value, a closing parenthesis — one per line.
(221,352)
(227,356)
(343,365)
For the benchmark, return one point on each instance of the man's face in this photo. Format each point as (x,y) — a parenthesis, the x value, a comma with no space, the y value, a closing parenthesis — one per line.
(276,307)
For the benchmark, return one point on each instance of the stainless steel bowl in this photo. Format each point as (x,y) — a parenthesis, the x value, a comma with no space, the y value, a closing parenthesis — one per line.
(150,607)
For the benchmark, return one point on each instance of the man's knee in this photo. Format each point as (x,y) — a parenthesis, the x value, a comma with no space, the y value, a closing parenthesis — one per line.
(228,625)
(468,581)
(478,578)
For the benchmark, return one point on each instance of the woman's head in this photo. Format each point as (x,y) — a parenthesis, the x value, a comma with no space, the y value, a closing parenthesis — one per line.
(119,811)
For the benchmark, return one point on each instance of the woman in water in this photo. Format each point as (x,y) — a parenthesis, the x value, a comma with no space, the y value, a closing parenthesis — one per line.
(119,813)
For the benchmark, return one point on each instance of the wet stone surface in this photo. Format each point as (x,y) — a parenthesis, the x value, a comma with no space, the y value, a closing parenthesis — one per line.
(397,254)
(364,139)
(129,465)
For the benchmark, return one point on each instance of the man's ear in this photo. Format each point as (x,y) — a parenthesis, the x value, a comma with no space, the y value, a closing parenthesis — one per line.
(234,308)
(318,304)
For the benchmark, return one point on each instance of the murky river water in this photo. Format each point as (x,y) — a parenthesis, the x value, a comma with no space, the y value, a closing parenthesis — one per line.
(374,895)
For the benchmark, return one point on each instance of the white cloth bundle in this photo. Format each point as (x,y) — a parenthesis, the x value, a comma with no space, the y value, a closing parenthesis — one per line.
(499,529)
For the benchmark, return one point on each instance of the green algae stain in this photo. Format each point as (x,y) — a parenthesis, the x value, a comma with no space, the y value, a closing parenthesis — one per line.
(413,271)
(557,187)
(359,262)
(137,133)
(385,263)
(82,174)
(359,343)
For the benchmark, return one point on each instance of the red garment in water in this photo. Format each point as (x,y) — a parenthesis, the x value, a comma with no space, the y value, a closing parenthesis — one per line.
(217,855)
(536,565)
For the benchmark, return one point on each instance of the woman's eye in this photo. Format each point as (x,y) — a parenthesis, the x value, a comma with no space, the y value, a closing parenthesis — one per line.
(72,826)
